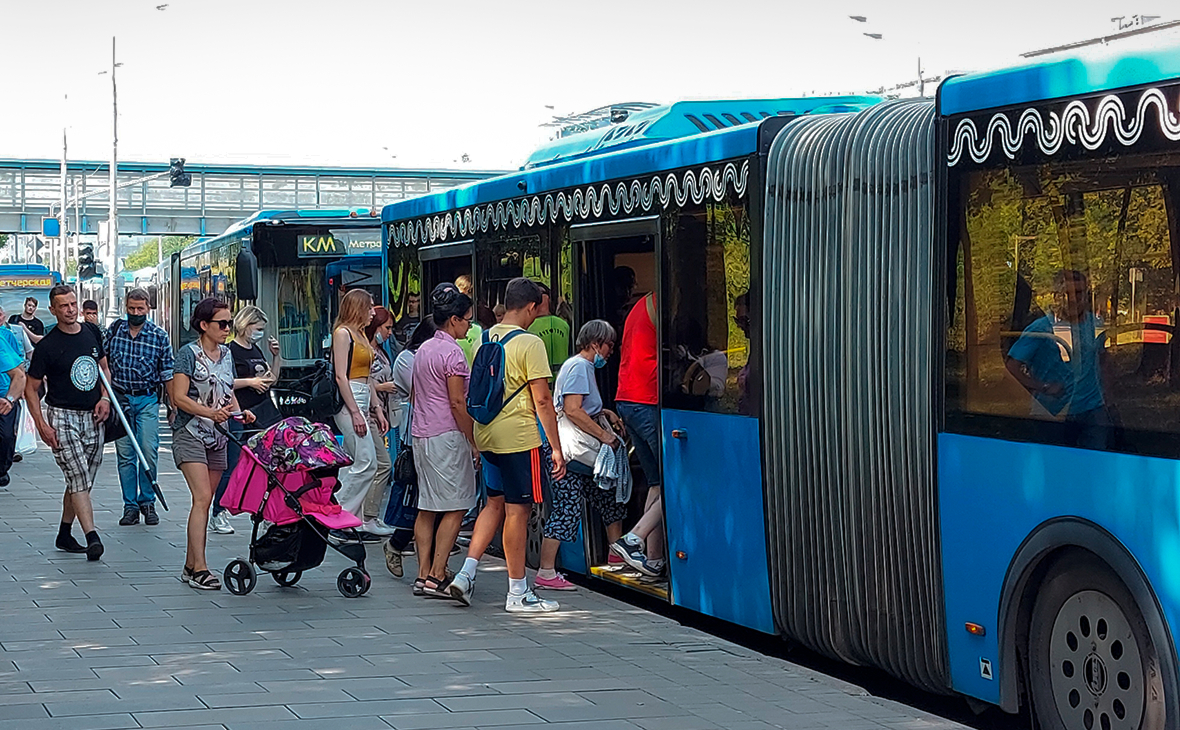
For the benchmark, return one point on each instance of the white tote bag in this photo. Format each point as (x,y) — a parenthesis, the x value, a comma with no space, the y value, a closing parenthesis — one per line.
(26,432)
(576,444)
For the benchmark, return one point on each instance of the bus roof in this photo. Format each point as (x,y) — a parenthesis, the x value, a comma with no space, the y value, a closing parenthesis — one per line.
(685,119)
(585,165)
(1120,65)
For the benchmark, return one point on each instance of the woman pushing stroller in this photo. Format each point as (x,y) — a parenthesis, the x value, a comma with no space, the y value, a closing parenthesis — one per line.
(203,392)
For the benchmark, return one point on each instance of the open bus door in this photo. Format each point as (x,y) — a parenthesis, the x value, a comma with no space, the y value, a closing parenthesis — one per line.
(615,265)
(443,262)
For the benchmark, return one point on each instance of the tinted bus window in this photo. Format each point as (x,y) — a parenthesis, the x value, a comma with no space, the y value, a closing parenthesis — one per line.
(1062,315)
(706,261)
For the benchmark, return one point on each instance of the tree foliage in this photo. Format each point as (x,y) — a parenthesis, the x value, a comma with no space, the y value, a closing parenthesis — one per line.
(148,253)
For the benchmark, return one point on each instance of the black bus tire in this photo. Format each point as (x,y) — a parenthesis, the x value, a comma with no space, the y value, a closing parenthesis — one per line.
(1092,663)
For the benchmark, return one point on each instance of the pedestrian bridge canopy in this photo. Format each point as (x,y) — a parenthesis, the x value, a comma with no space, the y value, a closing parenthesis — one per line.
(218,196)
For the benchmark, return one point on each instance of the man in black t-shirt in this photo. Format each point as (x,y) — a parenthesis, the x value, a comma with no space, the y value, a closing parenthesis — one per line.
(29,319)
(76,407)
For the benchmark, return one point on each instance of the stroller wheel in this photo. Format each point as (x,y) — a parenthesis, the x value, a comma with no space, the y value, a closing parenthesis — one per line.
(239,577)
(287,578)
(353,582)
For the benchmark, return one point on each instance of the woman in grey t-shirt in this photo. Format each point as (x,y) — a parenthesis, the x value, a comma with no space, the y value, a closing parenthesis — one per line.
(579,402)
(203,391)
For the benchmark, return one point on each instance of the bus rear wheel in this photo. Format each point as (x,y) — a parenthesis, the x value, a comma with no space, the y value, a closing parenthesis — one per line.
(1092,664)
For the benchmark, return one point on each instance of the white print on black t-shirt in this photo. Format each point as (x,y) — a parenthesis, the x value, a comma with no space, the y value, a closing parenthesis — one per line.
(84,373)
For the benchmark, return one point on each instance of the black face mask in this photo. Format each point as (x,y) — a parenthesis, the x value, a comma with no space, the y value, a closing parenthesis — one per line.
(135,320)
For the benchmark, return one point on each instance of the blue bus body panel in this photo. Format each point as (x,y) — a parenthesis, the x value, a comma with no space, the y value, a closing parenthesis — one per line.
(572,555)
(1060,76)
(994,493)
(715,515)
(701,149)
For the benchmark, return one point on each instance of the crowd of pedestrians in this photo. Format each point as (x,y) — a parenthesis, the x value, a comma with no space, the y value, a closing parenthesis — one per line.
(411,390)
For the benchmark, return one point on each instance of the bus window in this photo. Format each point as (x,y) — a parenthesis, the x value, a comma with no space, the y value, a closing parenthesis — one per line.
(1065,305)
(706,338)
(502,260)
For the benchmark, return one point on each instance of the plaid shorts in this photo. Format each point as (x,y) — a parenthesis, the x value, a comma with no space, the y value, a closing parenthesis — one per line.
(79,441)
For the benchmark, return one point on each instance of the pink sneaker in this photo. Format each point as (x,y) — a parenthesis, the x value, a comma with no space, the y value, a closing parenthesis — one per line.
(556,583)
(612,559)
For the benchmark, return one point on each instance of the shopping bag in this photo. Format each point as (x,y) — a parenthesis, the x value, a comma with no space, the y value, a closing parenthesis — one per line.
(26,433)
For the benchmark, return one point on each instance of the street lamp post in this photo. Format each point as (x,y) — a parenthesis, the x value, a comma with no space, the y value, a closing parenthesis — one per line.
(113,220)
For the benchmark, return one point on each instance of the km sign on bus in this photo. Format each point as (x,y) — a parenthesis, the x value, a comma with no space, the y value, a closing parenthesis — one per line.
(342,244)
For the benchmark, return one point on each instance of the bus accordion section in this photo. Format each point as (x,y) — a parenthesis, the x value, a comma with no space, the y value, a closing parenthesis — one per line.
(850,483)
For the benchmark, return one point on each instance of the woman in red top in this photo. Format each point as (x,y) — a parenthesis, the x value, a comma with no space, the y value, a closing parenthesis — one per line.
(637,402)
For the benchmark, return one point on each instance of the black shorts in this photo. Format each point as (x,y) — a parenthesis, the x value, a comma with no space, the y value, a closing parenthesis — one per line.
(516,477)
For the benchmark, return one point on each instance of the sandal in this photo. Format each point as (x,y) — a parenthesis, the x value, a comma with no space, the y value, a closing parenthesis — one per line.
(204,580)
(435,588)
(186,575)
(419,587)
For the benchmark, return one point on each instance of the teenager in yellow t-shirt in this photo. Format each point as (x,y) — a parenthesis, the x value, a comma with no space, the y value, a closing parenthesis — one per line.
(511,449)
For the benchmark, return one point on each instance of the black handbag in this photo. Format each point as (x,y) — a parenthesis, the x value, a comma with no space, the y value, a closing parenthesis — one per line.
(113,428)
(326,399)
(404,470)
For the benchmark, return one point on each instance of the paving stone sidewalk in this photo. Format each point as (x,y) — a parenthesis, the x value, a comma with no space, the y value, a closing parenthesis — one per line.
(123,644)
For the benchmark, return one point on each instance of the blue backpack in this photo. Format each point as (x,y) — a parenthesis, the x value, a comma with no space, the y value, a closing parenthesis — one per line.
(485,391)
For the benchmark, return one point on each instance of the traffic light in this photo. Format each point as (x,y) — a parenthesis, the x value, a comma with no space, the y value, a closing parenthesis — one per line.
(177,177)
(86,267)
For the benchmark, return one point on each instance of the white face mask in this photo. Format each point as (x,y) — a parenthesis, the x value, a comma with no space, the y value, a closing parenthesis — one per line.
(257,335)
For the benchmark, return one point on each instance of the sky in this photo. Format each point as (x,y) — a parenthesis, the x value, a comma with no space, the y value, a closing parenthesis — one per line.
(391,83)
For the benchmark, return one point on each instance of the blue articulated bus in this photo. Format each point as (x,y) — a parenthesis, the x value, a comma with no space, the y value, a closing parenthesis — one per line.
(919,389)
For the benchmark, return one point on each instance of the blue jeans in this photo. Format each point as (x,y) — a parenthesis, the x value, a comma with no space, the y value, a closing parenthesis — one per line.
(233,452)
(643,424)
(143,414)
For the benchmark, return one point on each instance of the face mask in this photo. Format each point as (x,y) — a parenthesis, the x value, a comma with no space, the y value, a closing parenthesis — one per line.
(599,361)
(378,338)
(135,320)
(257,335)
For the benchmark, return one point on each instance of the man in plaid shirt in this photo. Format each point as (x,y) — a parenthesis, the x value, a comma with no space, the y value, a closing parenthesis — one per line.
(141,362)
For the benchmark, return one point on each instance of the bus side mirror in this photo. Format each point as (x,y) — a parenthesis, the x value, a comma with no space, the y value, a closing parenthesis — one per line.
(154,296)
(246,276)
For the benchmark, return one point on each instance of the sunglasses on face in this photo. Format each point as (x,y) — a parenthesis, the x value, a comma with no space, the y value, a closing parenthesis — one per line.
(222,323)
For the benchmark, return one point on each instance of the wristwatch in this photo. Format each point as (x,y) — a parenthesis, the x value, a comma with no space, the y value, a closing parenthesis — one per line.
(10,399)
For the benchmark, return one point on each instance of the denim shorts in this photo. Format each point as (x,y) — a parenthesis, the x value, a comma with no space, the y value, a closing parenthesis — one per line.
(643,425)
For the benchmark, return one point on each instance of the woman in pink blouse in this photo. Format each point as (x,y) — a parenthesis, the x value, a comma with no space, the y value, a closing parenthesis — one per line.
(444,444)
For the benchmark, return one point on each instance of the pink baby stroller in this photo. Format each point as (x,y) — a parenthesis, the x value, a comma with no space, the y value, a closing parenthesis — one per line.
(284,479)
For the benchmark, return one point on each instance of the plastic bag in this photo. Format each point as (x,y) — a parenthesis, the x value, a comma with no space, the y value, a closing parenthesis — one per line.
(26,433)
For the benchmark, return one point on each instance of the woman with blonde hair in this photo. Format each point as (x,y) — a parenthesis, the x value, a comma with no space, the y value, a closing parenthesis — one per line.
(253,378)
(352,362)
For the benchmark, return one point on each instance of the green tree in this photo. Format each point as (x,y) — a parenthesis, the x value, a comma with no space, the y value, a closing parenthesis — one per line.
(3,240)
(149,255)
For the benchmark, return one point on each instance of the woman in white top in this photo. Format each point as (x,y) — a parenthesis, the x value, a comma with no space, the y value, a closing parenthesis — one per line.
(403,370)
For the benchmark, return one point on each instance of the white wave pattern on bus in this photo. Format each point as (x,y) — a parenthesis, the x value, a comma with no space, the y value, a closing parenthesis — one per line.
(1073,125)
(584,203)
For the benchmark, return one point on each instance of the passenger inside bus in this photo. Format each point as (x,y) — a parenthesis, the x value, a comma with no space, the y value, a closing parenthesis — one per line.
(553,331)
(1061,360)
(470,342)
(410,319)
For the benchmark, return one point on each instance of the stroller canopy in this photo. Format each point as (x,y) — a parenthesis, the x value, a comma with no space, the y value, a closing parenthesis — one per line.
(297,444)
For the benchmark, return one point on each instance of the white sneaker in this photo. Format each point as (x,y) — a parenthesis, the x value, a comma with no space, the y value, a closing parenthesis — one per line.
(461,587)
(529,602)
(377,527)
(220,524)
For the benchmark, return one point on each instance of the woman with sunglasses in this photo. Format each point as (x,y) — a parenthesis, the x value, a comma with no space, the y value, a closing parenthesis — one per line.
(203,392)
